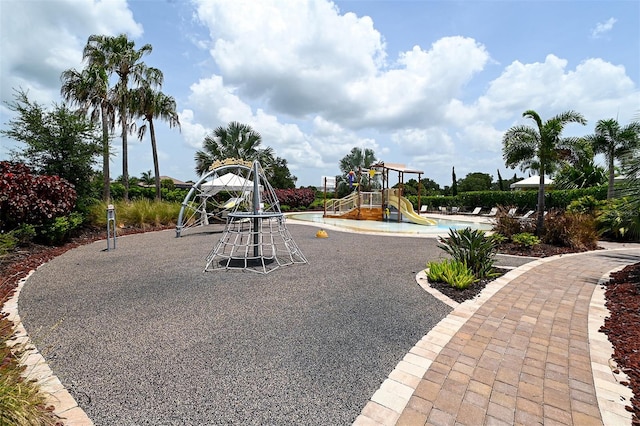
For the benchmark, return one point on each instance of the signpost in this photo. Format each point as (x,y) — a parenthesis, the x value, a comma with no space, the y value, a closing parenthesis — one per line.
(111,226)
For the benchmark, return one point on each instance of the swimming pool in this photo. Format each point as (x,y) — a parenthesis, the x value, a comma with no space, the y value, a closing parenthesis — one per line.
(441,228)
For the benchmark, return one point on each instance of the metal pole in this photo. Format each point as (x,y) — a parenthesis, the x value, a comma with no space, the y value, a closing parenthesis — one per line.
(256,208)
(325,197)
(111,224)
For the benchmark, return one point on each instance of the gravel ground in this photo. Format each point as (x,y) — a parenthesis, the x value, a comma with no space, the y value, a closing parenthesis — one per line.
(140,335)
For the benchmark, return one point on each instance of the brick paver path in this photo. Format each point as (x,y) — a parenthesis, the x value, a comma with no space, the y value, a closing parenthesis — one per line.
(521,358)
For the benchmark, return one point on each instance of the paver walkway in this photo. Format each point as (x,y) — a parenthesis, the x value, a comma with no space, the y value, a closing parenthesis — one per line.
(521,355)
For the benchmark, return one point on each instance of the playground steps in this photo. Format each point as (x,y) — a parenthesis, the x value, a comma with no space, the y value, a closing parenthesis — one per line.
(366,213)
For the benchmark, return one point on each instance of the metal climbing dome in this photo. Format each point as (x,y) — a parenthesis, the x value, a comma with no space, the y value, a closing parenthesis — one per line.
(255,237)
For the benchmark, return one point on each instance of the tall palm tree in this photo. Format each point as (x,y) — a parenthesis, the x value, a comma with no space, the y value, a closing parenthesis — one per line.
(234,141)
(121,57)
(614,142)
(89,89)
(148,104)
(541,148)
(358,158)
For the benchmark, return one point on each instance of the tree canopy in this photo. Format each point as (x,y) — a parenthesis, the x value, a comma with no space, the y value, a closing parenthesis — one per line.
(614,141)
(58,142)
(475,182)
(541,148)
(236,140)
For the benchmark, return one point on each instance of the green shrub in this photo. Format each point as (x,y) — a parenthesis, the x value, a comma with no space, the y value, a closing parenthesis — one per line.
(586,205)
(24,234)
(60,229)
(140,213)
(452,272)
(471,247)
(618,220)
(498,238)
(526,239)
(523,200)
(7,243)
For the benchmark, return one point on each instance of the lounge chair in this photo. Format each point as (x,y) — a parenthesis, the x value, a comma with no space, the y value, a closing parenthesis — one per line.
(512,212)
(455,210)
(442,209)
(475,211)
(528,214)
(492,212)
(423,209)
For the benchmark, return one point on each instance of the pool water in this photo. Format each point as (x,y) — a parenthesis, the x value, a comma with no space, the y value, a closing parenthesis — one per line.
(442,227)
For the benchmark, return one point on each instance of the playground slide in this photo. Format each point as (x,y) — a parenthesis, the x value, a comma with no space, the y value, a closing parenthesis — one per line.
(406,208)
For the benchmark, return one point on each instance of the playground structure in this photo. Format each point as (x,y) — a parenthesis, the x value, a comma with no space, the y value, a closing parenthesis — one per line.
(255,237)
(387,204)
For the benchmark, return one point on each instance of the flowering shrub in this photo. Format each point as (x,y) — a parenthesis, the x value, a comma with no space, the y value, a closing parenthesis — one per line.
(32,199)
(295,198)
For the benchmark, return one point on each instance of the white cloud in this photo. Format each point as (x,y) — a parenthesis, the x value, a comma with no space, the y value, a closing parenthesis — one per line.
(39,40)
(603,28)
(550,88)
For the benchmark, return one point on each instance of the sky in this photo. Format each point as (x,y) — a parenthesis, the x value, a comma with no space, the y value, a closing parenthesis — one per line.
(428,84)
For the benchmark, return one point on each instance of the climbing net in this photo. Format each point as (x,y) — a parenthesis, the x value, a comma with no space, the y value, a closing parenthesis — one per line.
(255,237)
(255,244)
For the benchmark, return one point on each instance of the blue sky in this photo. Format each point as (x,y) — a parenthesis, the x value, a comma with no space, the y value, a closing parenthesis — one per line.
(430,84)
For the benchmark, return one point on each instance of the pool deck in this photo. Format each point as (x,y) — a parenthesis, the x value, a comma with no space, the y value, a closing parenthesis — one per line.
(527,351)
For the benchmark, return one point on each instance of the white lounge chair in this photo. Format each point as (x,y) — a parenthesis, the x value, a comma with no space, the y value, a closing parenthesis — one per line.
(475,211)
(442,209)
(492,212)
(528,214)
(512,212)
(423,209)
(455,210)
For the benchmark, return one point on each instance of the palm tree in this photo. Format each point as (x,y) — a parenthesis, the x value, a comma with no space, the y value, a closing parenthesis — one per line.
(121,57)
(89,89)
(541,148)
(614,142)
(236,140)
(149,104)
(358,158)
(147,177)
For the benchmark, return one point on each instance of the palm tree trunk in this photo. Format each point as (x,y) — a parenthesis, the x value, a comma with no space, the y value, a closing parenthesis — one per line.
(540,221)
(156,166)
(611,177)
(125,157)
(106,178)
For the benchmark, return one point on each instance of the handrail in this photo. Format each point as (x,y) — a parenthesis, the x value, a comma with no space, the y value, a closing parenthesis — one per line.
(340,206)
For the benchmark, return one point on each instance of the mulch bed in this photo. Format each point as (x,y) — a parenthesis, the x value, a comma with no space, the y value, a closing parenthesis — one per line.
(468,293)
(622,327)
(539,250)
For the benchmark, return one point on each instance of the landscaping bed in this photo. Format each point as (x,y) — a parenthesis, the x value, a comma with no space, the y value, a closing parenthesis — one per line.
(622,327)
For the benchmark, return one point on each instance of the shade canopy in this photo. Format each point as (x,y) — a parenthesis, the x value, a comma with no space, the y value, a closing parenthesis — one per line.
(531,182)
(227,182)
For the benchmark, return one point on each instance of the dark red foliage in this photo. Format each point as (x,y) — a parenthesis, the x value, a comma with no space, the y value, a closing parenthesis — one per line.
(294,198)
(623,328)
(31,199)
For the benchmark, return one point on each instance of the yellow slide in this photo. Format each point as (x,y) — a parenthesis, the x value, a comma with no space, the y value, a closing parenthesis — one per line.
(406,208)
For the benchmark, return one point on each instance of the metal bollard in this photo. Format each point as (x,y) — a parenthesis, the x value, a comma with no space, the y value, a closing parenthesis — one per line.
(111,226)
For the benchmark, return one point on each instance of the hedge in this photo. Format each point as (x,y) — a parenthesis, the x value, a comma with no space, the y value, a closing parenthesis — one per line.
(523,200)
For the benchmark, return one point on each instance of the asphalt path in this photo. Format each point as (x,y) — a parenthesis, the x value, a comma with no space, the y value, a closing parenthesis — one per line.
(141,335)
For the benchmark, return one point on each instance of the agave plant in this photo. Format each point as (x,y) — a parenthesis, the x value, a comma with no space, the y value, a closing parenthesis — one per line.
(473,248)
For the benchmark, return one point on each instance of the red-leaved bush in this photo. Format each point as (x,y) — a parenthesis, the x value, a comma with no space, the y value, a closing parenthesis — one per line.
(26,198)
(295,198)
